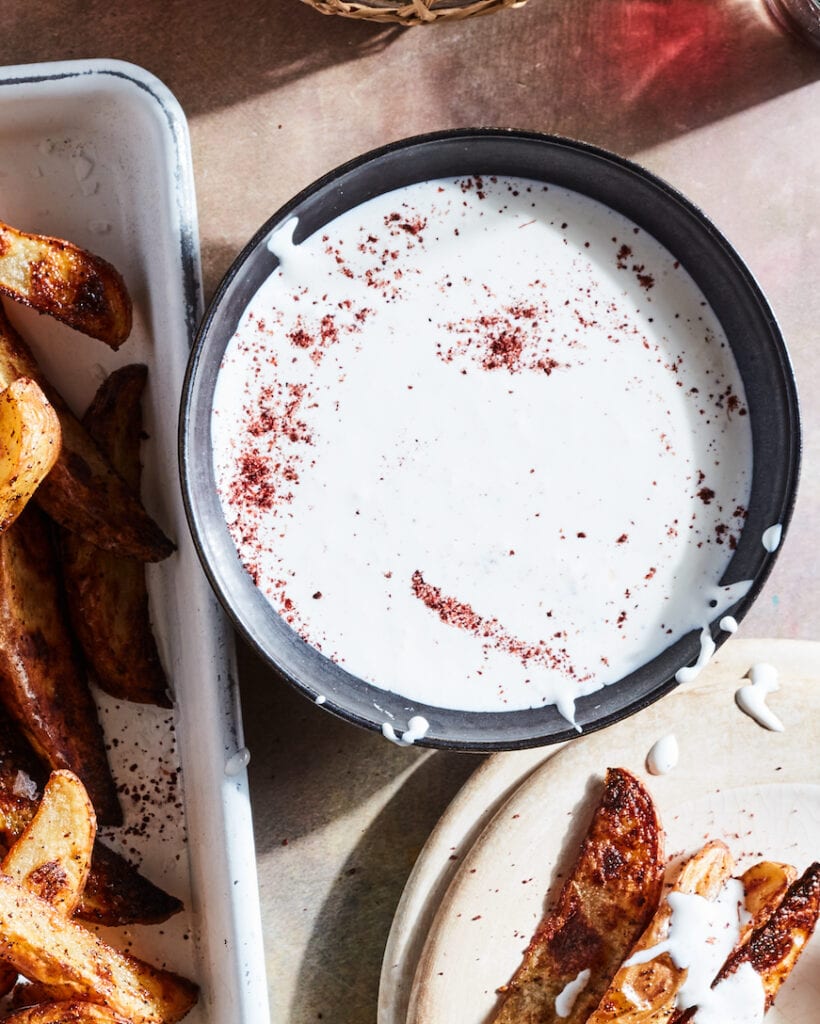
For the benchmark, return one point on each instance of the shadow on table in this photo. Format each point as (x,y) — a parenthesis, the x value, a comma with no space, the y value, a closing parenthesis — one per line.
(622,73)
(309,768)
(211,54)
(339,978)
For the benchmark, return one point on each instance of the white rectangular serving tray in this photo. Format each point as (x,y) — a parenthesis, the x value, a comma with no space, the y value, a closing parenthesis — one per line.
(98,152)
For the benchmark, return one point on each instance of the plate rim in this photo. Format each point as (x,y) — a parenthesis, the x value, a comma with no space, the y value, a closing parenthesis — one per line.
(423,890)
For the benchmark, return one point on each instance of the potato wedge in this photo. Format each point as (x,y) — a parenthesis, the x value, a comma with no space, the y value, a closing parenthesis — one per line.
(53,854)
(107,596)
(75,964)
(765,885)
(52,857)
(30,440)
(775,947)
(66,1013)
(115,892)
(82,492)
(42,683)
(645,992)
(603,906)
(56,277)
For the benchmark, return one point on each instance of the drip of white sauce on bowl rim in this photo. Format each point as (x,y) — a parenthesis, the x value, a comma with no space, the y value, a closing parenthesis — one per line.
(721,599)
(417,729)
(771,537)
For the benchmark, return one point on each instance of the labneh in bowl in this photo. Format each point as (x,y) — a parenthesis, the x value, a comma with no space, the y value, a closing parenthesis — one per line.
(616,353)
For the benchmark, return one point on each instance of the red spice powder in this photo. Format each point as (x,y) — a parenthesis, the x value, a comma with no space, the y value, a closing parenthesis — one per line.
(622,257)
(457,613)
(301,338)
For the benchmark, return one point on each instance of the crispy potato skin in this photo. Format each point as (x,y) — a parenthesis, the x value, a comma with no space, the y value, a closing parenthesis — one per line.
(82,492)
(115,892)
(30,441)
(605,903)
(107,596)
(42,682)
(69,283)
(65,1013)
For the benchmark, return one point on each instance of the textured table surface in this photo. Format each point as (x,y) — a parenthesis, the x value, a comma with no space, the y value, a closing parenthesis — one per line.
(707,93)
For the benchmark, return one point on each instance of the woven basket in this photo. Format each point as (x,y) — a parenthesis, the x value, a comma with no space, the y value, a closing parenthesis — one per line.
(411,12)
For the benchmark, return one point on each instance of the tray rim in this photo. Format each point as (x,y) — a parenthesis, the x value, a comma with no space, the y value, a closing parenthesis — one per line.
(246,980)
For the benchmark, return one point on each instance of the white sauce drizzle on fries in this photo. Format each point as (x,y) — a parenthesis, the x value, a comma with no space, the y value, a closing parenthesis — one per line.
(702,934)
(738,999)
(565,1000)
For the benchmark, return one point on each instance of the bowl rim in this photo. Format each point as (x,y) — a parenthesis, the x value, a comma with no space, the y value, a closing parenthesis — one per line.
(690,642)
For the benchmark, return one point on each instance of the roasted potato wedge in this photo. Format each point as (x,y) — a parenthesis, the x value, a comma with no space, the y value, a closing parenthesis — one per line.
(115,892)
(107,596)
(73,285)
(52,857)
(765,885)
(775,947)
(645,992)
(603,906)
(42,682)
(82,492)
(30,439)
(66,1013)
(53,854)
(75,964)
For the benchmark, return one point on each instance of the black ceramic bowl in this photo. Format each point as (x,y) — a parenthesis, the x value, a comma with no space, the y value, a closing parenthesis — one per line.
(657,208)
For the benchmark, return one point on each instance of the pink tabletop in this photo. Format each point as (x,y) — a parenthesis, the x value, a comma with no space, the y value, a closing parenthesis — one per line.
(707,93)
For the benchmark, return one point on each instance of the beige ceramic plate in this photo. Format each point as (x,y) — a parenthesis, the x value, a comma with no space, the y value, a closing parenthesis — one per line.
(759,791)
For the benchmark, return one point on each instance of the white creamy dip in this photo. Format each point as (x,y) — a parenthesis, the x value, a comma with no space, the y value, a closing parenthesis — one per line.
(484,444)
